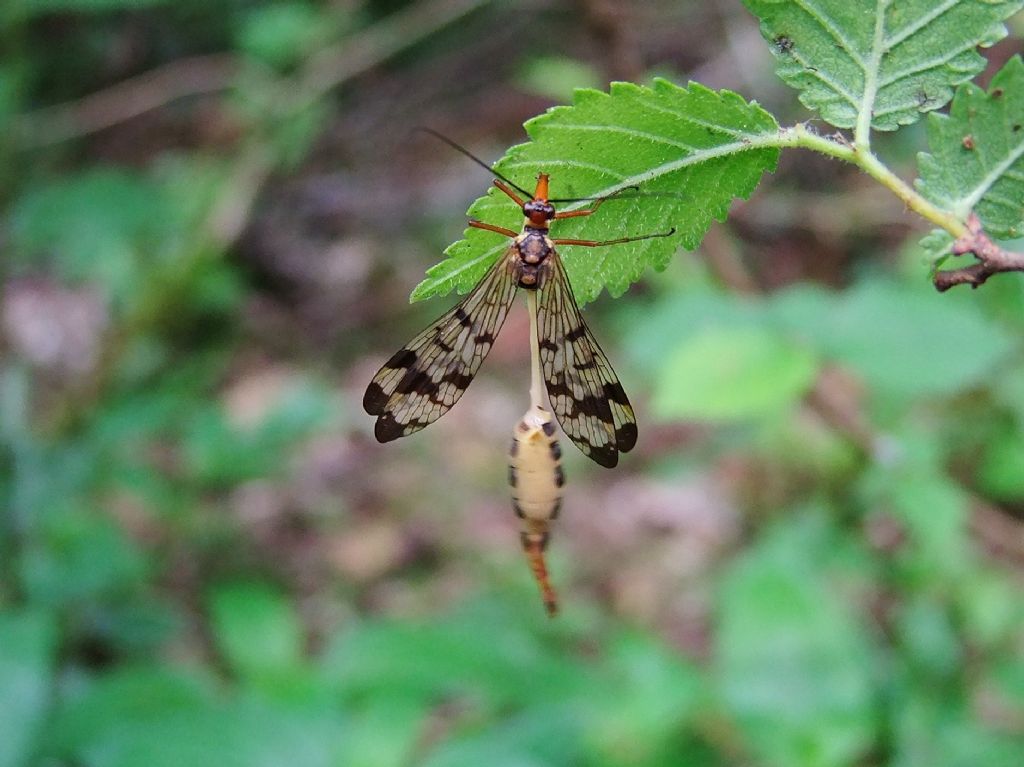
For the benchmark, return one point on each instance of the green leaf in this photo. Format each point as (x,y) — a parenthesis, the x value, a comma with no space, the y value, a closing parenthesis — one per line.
(793,662)
(556,77)
(904,342)
(646,694)
(162,717)
(977,154)
(928,639)
(999,474)
(124,694)
(734,358)
(384,730)
(935,247)
(114,227)
(28,8)
(883,61)
(95,224)
(220,451)
(281,34)
(540,736)
(256,629)
(937,728)
(80,558)
(691,150)
(484,653)
(732,373)
(26,665)
(930,509)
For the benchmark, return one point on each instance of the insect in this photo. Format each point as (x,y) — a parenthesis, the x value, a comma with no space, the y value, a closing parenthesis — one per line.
(425,378)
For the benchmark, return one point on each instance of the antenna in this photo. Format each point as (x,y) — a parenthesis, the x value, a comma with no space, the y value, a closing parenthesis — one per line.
(461,149)
(626,193)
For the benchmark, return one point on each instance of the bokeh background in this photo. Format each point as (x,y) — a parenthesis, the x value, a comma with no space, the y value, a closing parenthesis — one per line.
(213,213)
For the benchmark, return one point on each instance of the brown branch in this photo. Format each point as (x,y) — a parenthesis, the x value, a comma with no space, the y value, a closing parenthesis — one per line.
(201,75)
(992,259)
(334,65)
(130,98)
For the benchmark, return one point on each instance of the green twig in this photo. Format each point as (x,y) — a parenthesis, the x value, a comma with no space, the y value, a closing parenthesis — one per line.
(969,235)
(801,136)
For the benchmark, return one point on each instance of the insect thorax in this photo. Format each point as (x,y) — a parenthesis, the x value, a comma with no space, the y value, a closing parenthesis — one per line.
(534,247)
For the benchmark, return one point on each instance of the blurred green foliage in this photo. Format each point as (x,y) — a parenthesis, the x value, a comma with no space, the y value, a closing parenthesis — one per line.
(867,613)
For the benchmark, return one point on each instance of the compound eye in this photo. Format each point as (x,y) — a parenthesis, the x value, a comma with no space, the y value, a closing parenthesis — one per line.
(545,209)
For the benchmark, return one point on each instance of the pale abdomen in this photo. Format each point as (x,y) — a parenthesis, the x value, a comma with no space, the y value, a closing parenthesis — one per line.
(535,474)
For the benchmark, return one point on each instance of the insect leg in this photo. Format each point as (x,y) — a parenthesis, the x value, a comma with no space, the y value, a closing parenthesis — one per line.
(597,204)
(507,190)
(598,243)
(492,228)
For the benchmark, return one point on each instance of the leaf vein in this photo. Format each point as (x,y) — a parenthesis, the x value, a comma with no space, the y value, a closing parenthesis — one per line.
(919,24)
(924,66)
(759,141)
(902,106)
(1006,202)
(966,204)
(633,132)
(829,26)
(680,115)
(564,164)
(865,112)
(836,86)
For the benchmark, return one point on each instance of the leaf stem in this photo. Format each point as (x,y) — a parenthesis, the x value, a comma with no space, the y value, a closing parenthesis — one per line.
(870,164)
(801,136)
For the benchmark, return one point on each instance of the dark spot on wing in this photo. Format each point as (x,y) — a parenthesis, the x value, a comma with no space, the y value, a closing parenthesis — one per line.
(459,380)
(625,437)
(616,393)
(606,455)
(403,358)
(387,428)
(576,333)
(415,382)
(375,399)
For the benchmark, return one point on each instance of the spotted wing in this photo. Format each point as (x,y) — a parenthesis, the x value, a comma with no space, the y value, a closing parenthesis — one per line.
(584,391)
(424,379)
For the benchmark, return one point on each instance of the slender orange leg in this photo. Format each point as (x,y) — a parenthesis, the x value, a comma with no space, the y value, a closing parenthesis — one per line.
(598,204)
(493,228)
(598,243)
(500,229)
(508,190)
